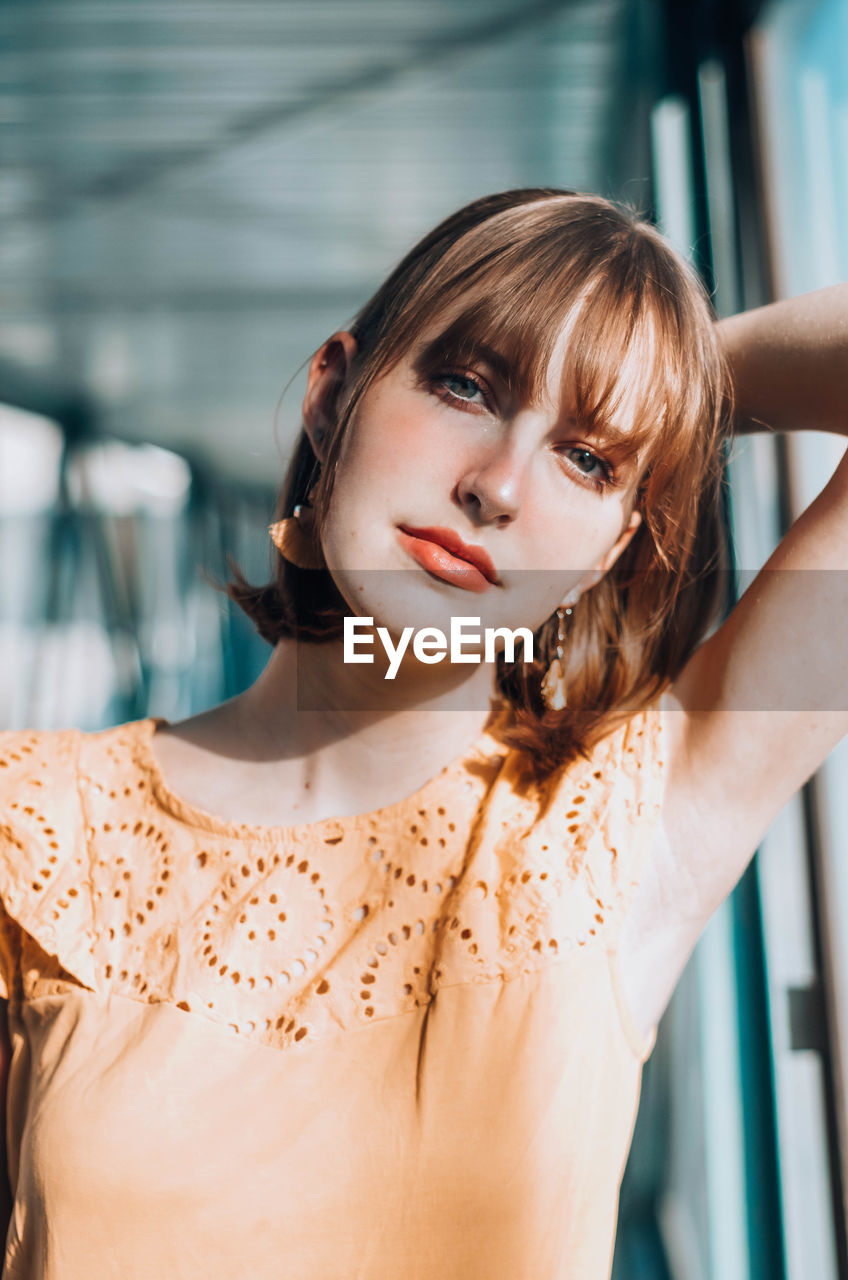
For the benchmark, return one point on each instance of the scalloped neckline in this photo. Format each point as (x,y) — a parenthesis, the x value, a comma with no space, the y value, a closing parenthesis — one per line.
(484,746)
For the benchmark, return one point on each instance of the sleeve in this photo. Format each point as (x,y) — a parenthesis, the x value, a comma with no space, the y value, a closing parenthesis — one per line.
(45,881)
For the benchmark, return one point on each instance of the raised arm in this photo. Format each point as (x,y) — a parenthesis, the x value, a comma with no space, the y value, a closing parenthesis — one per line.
(789,363)
(764,699)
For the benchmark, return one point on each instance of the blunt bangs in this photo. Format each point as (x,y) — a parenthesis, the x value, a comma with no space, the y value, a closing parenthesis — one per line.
(641,363)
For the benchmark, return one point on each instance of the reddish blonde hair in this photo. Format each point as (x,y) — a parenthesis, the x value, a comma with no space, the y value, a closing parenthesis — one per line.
(509,271)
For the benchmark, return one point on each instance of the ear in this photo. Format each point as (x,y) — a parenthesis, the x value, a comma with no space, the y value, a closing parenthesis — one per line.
(622,541)
(328,370)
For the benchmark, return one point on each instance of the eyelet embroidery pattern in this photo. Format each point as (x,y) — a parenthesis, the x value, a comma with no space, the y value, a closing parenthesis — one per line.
(288,936)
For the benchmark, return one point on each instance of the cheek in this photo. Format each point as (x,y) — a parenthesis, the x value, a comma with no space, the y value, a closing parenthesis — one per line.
(387,440)
(381,469)
(571,533)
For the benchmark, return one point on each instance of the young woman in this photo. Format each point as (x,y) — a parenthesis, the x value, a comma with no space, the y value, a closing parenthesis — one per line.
(353,976)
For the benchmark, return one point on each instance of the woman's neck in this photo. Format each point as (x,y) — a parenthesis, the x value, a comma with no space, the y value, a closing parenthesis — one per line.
(308,694)
(359,739)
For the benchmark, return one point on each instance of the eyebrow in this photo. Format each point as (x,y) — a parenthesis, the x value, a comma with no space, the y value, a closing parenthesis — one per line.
(443,348)
(496,361)
(613,436)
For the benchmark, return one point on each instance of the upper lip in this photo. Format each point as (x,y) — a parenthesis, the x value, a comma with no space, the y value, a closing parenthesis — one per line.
(452,542)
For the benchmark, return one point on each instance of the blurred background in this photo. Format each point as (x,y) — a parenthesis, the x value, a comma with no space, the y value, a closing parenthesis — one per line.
(193,195)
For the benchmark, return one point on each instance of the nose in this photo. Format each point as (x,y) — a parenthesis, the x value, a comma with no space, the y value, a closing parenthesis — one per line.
(490,489)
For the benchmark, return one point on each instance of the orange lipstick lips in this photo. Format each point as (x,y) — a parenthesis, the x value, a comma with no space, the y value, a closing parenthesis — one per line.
(443,553)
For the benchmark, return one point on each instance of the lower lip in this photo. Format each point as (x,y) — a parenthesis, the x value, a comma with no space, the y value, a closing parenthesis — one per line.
(443,565)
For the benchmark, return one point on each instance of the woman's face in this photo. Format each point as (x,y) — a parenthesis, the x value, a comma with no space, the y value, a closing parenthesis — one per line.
(440,464)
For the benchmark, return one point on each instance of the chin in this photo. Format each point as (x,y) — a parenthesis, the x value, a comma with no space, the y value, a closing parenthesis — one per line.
(398,598)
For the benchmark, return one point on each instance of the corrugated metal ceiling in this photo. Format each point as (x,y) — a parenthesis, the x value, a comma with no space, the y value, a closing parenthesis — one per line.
(196,193)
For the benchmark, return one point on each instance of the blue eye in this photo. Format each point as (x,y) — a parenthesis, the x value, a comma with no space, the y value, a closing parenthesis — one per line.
(461,387)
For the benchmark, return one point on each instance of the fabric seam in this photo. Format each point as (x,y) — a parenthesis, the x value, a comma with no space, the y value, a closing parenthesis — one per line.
(641,1046)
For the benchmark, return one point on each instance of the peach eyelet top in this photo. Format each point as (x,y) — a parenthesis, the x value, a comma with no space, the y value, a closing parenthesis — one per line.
(382,1046)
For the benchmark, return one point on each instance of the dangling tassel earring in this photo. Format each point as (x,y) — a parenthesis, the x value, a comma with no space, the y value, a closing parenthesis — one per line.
(553,685)
(294,540)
